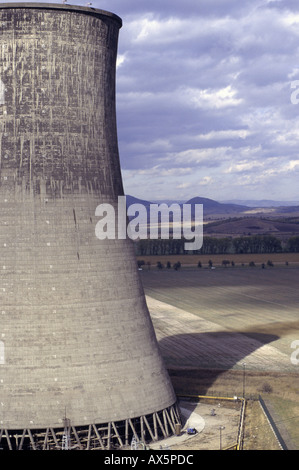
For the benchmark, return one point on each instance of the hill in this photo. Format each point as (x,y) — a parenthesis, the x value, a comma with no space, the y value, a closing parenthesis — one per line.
(211,207)
(134,200)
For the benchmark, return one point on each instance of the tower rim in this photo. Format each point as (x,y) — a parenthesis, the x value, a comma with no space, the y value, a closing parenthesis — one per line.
(64,7)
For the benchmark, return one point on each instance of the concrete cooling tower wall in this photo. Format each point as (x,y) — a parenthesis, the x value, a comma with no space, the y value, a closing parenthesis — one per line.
(79,360)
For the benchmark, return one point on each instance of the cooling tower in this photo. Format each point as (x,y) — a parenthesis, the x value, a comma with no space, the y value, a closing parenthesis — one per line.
(80,365)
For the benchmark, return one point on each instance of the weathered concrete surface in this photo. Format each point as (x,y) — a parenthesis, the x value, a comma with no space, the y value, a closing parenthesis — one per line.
(76,336)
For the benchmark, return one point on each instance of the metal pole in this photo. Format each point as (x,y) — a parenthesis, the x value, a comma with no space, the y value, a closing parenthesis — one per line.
(220,429)
(244,364)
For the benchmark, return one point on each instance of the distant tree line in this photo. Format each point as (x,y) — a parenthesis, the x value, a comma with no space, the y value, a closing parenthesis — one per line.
(213,246)
(293,244)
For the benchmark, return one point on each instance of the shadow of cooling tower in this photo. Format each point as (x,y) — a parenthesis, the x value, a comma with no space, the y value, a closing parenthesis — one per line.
(205,356)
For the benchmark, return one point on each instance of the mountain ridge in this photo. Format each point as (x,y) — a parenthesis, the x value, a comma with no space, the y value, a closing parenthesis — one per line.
(210,206)
(215,208)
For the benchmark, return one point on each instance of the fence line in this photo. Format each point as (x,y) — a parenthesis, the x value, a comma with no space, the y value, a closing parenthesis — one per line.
(272,424)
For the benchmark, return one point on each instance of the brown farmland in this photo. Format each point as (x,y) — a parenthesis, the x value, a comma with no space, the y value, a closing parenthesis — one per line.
(209,322)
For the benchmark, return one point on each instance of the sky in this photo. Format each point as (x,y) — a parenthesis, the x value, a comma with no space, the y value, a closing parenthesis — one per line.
(205,104)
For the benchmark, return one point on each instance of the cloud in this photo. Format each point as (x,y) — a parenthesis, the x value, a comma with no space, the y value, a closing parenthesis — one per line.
(245,166)
(209,98)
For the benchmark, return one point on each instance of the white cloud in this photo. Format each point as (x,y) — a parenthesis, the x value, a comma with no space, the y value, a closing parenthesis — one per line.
(225,134)
(207,180)
(292,165)
(184,185)
(152,30)
(205,156)
(245,166)
(291,19)
(120,60)
(156,31)
(209,98)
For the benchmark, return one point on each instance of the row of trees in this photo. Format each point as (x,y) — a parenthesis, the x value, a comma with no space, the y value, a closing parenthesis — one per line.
(212,246)
(176,266)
